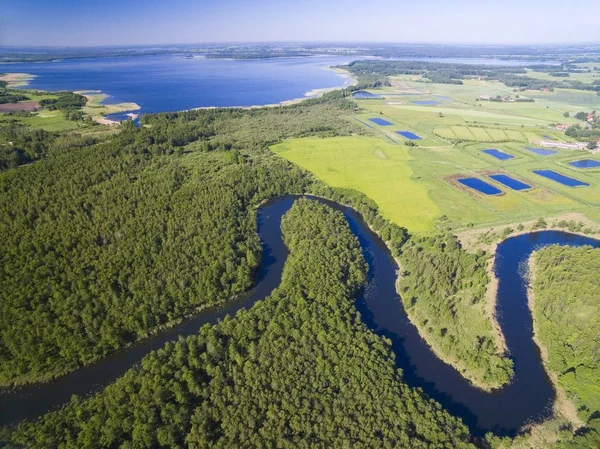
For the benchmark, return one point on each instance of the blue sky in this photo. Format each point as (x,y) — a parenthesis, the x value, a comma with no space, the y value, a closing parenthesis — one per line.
(124,22)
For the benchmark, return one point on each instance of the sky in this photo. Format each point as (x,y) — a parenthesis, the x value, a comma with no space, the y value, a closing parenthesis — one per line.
(110,22)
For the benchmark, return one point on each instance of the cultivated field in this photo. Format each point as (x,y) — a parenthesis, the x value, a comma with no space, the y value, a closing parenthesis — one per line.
(415,186)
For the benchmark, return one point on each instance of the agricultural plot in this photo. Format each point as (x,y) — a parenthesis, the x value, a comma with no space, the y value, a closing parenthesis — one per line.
(372,166)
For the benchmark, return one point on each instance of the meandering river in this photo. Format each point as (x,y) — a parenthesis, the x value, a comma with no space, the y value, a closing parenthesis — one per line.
(527,398)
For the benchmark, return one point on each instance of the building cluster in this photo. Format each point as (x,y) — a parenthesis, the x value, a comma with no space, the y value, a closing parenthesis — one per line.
(506,98)
(563,145)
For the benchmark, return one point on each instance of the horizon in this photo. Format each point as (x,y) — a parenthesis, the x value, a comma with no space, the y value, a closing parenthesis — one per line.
(293,42)
(432,22)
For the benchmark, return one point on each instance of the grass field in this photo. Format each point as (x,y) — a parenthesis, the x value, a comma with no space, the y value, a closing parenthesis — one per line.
(453,135)
(372,166)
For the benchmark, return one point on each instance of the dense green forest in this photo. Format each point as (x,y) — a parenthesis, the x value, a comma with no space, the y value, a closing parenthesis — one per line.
(104,243)
(299,369)
(21,145)
(566,311)
(443,288)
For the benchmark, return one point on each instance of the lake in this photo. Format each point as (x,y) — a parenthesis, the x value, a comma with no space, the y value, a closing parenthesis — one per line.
(167,83)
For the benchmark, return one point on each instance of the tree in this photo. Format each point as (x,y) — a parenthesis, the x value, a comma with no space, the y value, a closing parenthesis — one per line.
(566,114)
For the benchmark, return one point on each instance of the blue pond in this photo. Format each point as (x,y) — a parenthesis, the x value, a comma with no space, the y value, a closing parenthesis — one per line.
(408,135)
(498,154)
(480,186)
(585,163)
(426,102)
(561,179)
(512,183)
(443,98)
(363,94)
(380,121)
(548,137)
(541,151)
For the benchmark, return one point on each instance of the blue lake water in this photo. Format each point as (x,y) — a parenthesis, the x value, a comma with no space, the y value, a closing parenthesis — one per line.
(512,183)
(561,179)
(426,102)
(409,135)
(443,98)
(173,83)
(585,163)
(363,94)
(541,151)
(480,186)
(380,121)
(498,154)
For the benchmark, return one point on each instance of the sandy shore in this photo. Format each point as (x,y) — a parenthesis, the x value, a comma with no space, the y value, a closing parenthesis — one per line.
(17,79)
(97,110)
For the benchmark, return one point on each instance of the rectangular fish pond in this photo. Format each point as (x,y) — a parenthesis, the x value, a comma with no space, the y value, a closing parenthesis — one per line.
(408,135)
(509,182)
(380,121)
(561,179)
(426,102)
(541,151)
(498,154)
(480,186)
(585,163)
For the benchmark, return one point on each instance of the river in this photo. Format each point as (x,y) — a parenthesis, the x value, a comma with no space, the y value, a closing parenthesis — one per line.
(527,398)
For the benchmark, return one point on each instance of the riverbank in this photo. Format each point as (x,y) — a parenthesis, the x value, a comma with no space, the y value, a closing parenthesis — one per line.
(562,405)
(455,363)
(472,241)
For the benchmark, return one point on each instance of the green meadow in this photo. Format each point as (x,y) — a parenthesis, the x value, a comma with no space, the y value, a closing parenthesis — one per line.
(373,166)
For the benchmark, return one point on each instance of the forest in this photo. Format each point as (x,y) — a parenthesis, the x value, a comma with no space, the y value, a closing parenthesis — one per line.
(299,369)
(566,310)
(21,145)
(443,288)
(105,243)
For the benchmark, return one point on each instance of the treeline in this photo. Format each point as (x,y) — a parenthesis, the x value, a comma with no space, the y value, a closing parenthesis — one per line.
(443,288)
(104,243)
(299,369)
(454,73)
(434,71)
(8,96)
(566,310)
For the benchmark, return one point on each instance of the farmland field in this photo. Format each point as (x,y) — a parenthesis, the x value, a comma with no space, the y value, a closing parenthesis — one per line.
(454,134)
(372,166)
